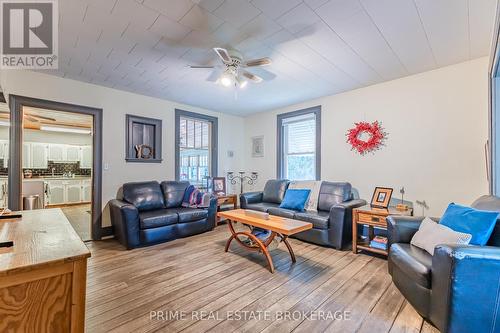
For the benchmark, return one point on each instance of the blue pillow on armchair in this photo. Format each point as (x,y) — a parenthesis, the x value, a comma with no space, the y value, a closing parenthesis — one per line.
(478,223)
(295,199)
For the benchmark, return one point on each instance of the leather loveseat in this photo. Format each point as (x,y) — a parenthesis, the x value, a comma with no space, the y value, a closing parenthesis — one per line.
(151,213)
(457,288)
(332,222)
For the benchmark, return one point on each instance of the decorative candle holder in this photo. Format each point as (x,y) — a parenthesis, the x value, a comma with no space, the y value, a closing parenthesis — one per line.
(242,178)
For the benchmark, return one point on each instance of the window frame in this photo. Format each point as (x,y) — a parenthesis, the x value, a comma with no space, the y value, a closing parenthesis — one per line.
(214,144)
(280,165)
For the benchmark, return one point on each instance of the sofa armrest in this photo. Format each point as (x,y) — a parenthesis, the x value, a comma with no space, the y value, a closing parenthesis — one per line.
(250,198)
(400,229)
(341,222)
(212,213)
(465,288)
(125,220)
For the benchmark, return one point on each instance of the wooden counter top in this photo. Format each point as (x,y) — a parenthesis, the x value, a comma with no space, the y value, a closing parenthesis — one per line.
(42,238)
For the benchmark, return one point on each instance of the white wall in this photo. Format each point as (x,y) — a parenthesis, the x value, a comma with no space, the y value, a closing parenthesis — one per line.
(116,104)
(437,124)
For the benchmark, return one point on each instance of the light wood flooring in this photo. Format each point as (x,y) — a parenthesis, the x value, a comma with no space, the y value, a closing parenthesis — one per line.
(193,279)
(80,218)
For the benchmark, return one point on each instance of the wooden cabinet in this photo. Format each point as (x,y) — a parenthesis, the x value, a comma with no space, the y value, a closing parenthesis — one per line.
(39,153)
(42,286)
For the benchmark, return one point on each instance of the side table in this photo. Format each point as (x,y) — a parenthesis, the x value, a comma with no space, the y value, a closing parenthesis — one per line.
(372,217)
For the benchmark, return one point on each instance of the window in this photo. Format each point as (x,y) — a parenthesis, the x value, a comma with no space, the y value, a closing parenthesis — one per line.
(299,139)
(196,141)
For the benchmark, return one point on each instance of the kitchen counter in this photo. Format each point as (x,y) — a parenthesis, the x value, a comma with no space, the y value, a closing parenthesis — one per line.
(57,178)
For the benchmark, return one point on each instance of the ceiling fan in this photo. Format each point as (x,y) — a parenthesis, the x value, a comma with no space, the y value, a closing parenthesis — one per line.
(233,71)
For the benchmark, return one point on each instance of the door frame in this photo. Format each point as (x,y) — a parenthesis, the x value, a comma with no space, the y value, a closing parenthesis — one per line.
(16,104)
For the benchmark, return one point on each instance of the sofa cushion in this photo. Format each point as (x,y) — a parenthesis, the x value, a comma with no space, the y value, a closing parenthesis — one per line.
(333,193)
(283,212)
(414,262)
(157,218)
(144,195)
(295,199)
(262,206)
(191,214)
(319,219)
(274,191)
(173,192)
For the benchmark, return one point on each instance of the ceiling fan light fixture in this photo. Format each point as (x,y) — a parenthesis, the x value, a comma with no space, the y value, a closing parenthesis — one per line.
(242,83)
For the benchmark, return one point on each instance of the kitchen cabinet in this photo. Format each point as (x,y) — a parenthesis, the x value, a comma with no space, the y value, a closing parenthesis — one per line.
(4,193)
(72,153)
(56,152)
(3,149)
(26,155)
(56,195)
(86,157)
(68,191)
(39,153)
(73,191)
(86,190)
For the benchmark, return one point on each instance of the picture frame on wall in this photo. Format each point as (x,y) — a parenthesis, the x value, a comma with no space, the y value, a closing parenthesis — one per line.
(219,185)
(258,146)
(381,197)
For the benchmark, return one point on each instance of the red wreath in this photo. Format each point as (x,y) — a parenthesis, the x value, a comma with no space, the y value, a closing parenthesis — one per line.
(375,140)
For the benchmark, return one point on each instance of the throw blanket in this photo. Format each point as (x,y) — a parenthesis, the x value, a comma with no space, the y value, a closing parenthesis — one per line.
(194,198)
(314,186)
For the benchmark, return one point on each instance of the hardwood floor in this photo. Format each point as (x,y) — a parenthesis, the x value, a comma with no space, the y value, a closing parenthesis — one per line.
(193,280)
(80,218)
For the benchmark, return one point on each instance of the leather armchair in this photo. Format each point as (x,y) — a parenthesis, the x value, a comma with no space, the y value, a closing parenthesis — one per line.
(127,231)
(457,288)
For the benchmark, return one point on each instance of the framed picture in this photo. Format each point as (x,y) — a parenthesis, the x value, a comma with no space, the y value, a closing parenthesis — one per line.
(219,185)
(258,146)
(381,197)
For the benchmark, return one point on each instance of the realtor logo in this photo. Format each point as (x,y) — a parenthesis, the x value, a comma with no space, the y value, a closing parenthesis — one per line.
(29,34)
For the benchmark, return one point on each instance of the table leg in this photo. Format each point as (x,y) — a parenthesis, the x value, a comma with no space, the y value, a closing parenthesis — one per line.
(354,233)
(260,246)
(289,247)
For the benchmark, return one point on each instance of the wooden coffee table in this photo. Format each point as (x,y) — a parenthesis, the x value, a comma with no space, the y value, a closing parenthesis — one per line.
(279,226)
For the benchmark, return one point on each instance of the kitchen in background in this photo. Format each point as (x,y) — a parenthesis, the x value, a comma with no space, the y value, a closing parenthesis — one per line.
(56,163)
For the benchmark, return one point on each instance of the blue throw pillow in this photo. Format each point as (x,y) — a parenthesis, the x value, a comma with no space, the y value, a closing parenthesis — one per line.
(295,199)
(478,223)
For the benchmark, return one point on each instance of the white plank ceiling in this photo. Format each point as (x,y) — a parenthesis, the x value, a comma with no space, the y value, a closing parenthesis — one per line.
(318,47)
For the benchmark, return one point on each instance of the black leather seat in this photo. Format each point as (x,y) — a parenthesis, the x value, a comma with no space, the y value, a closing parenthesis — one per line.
(319,219)
(332,223)
(158,218)
(456,288)
(151,213)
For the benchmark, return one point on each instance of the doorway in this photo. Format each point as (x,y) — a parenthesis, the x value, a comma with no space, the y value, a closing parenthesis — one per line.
(58,153)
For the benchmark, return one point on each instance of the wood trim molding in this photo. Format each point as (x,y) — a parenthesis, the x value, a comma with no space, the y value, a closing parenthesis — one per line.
(15,148)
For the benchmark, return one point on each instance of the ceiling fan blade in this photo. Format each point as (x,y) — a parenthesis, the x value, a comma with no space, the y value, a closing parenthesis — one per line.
(32,119)
(258,62)
(201,67)
(250,76)
(41,117)
(223,54)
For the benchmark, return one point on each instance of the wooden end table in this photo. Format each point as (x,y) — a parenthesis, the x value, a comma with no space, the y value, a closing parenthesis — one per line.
(373,218)
(227,199)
